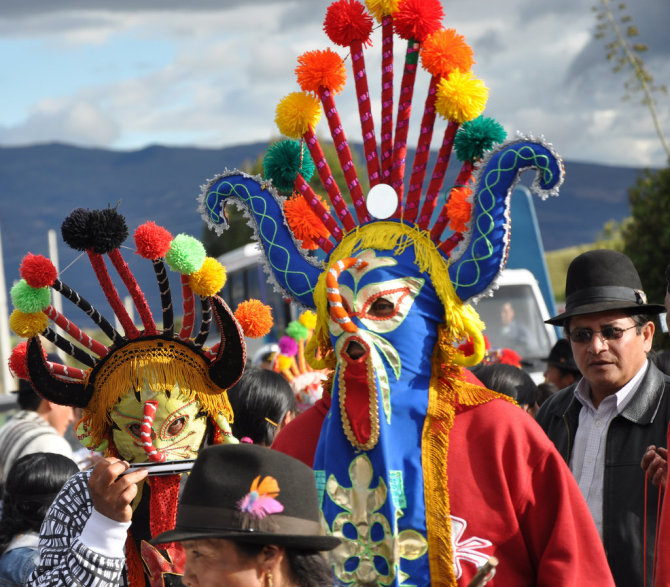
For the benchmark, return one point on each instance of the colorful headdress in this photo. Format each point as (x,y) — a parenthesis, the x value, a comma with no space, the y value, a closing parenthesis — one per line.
(397,270)
(139,355)
(467,229)
(290,360)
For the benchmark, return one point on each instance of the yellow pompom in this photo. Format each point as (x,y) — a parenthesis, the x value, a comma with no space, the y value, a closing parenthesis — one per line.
(284,363)
(296,113)
(28,325)
(209,279)
(461,97)
(254,317)
(308,319)
(380,8)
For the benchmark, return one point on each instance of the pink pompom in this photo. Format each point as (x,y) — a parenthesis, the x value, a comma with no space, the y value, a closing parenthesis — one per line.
(38,271)
(152,241)
(288,346)
(347,21)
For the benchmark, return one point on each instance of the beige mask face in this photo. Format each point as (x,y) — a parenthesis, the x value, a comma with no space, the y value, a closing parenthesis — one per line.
(177,430)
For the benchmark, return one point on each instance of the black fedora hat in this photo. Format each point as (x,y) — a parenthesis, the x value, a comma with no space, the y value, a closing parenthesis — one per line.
(252,494)
(561,356)
(603,280)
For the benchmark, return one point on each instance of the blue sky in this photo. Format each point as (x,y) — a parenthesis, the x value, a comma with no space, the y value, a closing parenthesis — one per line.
(126,74)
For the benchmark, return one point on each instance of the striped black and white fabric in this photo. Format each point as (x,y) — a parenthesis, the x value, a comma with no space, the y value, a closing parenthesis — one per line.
(26,433)
(64,560)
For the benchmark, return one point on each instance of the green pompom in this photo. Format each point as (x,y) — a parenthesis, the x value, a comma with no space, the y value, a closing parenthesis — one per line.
(186,254)
(297,331)
(282,162)
(28,299)
(477,136)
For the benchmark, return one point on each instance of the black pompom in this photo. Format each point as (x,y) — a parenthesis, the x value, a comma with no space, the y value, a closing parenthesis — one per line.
(75,229)
(108,230)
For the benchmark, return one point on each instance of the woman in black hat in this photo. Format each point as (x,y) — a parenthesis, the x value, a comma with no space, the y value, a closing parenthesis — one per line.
(249,516)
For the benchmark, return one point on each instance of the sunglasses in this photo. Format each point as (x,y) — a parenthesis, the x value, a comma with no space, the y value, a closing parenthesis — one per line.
(582,335)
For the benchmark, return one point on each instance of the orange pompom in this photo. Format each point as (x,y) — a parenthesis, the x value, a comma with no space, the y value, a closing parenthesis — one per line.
(317,69)
(459,209)
(305,225)
(445,51)
(254,317)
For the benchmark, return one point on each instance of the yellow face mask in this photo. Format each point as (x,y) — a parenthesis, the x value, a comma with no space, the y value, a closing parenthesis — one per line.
(177,429)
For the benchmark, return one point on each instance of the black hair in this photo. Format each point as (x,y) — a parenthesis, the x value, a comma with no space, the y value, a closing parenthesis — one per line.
(27,397)
(509,380)
(308,568)
(260,401)
(30,486)
(667,279)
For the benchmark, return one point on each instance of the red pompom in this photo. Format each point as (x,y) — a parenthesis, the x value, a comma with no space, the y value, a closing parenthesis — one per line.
(416,19)
(17,361)
(38,271)
(347,21)
(152,241)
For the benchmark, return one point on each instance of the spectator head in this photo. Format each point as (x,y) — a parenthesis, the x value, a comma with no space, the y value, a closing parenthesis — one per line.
(561,367)
(263,402)
(510,381)
(31,485)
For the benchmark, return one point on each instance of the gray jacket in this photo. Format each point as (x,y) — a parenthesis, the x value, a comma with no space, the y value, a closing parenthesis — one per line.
(644,421)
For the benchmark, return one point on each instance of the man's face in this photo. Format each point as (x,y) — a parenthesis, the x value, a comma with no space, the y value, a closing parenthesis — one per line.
(60,417)
(177,430)
(216,561)
(607,365)
(666,303)
(506,313)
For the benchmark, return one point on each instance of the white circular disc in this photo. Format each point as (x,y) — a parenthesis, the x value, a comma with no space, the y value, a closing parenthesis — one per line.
(382,201)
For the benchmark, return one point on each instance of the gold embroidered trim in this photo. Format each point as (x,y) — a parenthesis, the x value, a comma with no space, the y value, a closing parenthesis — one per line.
(446,391)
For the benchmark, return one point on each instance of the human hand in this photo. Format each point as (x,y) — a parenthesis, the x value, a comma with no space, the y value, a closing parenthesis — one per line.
(112,492)
(655,464)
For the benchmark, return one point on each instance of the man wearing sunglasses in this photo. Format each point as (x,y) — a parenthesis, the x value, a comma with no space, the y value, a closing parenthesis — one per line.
(603,424)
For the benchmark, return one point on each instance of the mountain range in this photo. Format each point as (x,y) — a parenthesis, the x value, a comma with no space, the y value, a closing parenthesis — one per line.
(41,184)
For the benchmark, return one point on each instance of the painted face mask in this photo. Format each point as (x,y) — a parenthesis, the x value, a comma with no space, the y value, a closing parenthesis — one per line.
(176,430)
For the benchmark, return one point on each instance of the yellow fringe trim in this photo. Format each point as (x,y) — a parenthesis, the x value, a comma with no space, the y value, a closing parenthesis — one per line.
(159,365)
(446,391)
